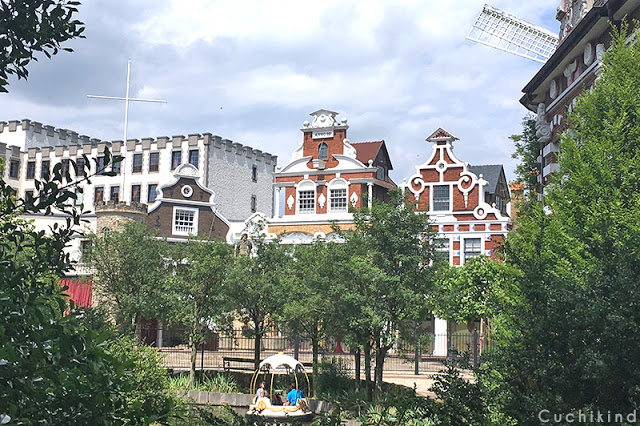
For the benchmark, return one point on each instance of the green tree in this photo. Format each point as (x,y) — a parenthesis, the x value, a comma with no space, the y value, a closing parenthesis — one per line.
(481,290)
(130,274)
(54,370)
(392,254)
(309,308)
(254,288)
(197,290)
(527,152)
(31,26)
(573,338)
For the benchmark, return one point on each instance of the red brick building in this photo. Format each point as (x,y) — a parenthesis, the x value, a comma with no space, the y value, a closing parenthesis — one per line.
(326,175)
(467,205)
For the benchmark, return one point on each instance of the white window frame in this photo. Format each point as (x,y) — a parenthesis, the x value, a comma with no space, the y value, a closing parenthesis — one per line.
(464,248)
(303,186)
(432,193)
(195,212)
(441,241)
(324,151)
(338,184)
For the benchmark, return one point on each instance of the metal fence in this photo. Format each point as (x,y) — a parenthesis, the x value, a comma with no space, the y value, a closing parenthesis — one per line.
(234,350)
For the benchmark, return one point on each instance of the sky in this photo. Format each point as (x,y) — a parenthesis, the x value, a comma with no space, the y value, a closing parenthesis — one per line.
(252,71)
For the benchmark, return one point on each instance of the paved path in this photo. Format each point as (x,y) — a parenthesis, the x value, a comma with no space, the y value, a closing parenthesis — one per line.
(422,382)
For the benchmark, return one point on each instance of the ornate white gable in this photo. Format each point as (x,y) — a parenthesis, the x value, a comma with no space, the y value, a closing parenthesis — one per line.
(441,135)
(187,170)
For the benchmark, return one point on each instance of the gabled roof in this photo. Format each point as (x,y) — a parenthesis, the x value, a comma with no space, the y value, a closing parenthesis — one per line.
(441,134)
(491,173)
(366,151)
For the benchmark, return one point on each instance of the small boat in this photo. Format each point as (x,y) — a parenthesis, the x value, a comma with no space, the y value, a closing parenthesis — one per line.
(270,367)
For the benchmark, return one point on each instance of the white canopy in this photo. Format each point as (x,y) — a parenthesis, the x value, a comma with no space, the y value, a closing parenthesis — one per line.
(278,360)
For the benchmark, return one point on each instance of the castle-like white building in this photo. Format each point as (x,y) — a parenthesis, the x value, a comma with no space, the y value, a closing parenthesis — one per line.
(240,177)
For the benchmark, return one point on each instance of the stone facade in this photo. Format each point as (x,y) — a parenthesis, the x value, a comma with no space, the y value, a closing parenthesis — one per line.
(112,216)
(240,182)
(147,164)
(573,68)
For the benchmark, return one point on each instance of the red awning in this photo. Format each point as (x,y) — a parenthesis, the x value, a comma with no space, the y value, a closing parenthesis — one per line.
(80,291)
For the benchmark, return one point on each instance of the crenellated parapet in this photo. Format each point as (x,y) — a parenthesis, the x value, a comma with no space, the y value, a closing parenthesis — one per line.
(40,136)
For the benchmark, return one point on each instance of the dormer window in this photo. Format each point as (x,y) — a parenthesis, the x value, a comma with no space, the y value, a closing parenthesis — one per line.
(323,151)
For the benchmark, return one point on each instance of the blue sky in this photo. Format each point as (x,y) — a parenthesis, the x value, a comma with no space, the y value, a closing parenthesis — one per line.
(252,71)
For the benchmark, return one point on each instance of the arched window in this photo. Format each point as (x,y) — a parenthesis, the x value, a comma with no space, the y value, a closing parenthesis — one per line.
(306,197)
(323,152)
(338,196)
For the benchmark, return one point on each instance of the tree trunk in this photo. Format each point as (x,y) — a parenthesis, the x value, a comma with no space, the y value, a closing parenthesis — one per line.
(192,366)
(314,374)
(136,329)
(381,353)
(367,371)
(256,348)
(481,339)
(356,354)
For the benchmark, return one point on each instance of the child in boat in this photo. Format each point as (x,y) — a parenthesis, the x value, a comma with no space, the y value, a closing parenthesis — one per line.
(276,399)
(261,392)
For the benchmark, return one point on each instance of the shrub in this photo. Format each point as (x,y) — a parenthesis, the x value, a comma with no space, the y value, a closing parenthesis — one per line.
(334,378)
(218,382)
(145,383)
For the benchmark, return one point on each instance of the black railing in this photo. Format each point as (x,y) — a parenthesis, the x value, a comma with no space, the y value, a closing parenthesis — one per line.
(234,349)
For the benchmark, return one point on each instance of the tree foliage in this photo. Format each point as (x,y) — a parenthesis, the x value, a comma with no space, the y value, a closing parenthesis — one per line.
(527,152)
(54,370)
(130,274)
(31,26)
(387,275)
(309,309)
(480,289)
(196,291)
(573,341)
(254,288)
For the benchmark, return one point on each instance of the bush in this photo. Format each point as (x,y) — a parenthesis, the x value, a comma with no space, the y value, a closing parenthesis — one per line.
(334,378)
(145,383)
(218,382)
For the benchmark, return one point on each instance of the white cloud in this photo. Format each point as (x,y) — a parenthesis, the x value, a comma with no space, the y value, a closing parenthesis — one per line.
(252,70)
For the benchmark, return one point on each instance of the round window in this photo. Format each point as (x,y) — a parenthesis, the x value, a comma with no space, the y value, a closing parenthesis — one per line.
(187,191)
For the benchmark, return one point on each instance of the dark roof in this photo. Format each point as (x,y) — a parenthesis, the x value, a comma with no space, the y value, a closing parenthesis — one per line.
(491,173)
(366,151)
(598,11)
